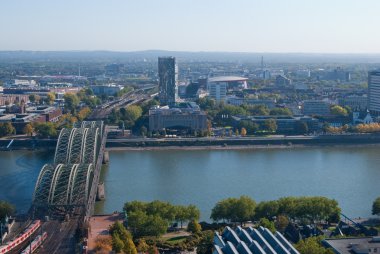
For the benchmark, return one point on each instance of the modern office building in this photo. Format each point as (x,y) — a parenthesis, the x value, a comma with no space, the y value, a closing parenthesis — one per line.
(108,89)
(316,107)
(355,102)
(237,101)
(218,86)
(374,92)
(168,76)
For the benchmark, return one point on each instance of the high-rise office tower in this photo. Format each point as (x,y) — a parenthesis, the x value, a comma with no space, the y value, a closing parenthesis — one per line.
(374,92)
(168,75)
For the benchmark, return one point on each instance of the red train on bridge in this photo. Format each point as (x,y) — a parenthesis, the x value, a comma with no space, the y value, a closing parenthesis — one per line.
(21,238)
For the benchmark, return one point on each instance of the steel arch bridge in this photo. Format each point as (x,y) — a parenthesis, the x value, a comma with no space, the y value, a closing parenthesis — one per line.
(67,185)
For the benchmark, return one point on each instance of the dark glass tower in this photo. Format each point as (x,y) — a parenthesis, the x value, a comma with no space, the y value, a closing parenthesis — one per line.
(168,74)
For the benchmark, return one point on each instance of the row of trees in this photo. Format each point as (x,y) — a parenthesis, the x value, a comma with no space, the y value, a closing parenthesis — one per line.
(360,128)
(49,99)
(153,218)
(244,209)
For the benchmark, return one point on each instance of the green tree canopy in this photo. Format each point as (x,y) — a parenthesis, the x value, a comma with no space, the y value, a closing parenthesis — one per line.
(309,208)
(257,110)
(153,218)
(338,111)
(281,112)
(249,126)
(194,227)
(6,129)
(376,207)
(264,222)
(46,130)
(234,209)
(270,125)
(71,102)
(312,245)
(6,209)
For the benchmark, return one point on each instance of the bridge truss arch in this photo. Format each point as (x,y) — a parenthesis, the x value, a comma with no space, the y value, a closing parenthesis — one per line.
(67,186)
(77,145)
(63,187)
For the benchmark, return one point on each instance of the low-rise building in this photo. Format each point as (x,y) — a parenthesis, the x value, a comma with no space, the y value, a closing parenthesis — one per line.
(10,99)
(316,107)
(355,102)
(183,115)
(49,114)
(109,89)
(361,245)
(282,80)
(285,124)
(236,101)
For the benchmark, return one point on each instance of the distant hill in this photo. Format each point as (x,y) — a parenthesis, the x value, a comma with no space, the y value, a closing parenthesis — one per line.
(151,55)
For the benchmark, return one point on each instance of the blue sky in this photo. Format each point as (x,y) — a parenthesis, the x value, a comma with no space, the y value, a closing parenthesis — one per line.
(317,26)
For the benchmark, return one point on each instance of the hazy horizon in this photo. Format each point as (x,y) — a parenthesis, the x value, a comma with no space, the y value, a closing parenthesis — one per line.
(246,26)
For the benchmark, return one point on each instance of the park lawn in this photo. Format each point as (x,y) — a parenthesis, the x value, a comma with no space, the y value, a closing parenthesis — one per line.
(174,240)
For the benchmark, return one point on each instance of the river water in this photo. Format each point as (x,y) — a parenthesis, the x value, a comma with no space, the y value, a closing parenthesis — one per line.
(351,175)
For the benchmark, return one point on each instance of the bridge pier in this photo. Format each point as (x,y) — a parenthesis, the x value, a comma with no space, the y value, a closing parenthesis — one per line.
(106,157)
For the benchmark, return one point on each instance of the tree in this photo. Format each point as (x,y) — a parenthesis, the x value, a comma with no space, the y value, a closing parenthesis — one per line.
(205,244)
(129,247)
(312,245)
(28,129)
(71,102)
(50,98)
(32,98)
(281,112)
(270,125)
(6,209)
(83,113)
(281,223)
(142,246)
(122,239)
(143,131)
(152,249)
(103,244)
(258,110)
(267,209)
(338,111)
(46,130)
(376,207)
(264,222)
(243,131)
(117,243)
(194,227)
(6,129)
(192,213)
(130,115)
(249,126)
(234,209)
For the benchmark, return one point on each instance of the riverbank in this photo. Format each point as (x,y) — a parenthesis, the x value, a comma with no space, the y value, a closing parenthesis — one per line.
(244,147)
(208,143)
(242,143)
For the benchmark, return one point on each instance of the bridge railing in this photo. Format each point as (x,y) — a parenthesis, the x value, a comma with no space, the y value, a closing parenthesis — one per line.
(95,182)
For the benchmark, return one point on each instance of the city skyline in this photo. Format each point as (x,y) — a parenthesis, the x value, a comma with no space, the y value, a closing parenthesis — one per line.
(219,26)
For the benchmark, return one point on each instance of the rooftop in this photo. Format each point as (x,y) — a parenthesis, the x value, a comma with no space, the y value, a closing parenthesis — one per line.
(361,245)
(227,79)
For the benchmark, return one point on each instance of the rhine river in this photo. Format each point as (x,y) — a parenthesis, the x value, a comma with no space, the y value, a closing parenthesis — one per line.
(351,175)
